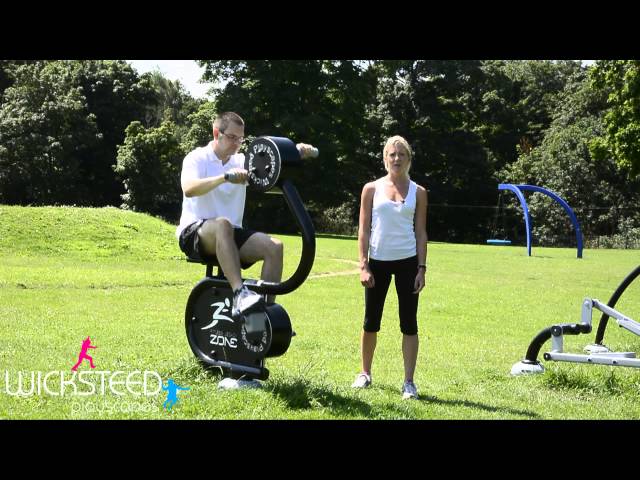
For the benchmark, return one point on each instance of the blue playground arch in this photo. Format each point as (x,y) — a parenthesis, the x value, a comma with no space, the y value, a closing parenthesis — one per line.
(518,189)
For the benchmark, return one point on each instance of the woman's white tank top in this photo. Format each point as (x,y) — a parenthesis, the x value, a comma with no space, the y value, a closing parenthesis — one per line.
(392,225)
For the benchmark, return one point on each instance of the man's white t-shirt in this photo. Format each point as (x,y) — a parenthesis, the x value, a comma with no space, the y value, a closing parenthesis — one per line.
(226,200)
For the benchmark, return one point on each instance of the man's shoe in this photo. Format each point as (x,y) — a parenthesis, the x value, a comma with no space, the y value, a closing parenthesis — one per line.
(244,300)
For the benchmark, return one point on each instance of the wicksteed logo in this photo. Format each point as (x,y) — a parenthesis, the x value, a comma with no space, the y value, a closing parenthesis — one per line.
(86,344)
(141,385)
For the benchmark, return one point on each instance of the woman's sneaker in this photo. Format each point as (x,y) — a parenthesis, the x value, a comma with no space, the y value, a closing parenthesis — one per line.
(245,299)
(409,390)
(362,381)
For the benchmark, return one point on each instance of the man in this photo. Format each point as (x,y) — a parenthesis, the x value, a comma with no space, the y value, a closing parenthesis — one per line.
(213,181)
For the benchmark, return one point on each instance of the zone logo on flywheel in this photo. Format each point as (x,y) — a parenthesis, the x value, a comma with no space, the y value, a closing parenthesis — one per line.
(220,308)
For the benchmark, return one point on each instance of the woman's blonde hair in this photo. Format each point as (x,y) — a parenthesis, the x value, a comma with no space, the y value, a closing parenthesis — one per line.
(392,141)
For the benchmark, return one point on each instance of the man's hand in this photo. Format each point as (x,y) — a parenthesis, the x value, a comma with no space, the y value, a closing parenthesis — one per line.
(306,150)
(236,175)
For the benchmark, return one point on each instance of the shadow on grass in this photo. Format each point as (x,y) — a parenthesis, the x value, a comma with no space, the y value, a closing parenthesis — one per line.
(300,394)
(478,406)
(468,404)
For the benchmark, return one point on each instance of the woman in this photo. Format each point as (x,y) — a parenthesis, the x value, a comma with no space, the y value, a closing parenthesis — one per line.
(392,240)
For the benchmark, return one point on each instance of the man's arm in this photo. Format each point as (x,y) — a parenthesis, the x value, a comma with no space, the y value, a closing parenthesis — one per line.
(199,186)
(195,187)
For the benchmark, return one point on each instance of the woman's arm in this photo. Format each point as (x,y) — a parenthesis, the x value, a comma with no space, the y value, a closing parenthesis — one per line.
(421,236)
(364,233)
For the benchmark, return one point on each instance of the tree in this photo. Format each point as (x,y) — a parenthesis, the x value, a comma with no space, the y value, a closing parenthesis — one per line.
(200,130)
(6,73)
(149,162)
(171,102)
(102,96)
(116,96)
(46,133)
(620,79)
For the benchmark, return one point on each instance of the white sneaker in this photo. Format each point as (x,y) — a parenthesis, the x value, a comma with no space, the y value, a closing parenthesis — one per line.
(362,381)
(409,390)
(244,299)
(232,384)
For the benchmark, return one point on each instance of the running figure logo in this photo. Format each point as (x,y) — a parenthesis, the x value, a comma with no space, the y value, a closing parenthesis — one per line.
(221,308)
(172,393)
(86,344)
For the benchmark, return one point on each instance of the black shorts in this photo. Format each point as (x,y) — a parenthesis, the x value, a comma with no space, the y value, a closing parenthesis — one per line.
(189,242)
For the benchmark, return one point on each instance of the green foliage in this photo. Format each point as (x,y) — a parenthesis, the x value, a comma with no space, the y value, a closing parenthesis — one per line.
(6,74)
(61,122)
(200,127)
(149,163)
(341,220)
(594,188)
(116,96)
(620,79)
(47,137)
(171,102)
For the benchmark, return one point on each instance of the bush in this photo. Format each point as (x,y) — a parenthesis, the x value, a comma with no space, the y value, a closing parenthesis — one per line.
(628,236)
(340,220)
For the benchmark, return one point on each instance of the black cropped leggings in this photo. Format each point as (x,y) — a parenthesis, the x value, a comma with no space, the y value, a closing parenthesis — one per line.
(404,272)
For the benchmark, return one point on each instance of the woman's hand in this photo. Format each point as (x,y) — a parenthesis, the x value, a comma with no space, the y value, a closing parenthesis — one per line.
(366,277)
(419,282)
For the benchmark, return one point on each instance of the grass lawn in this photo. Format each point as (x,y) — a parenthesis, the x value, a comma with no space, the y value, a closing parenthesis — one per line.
(68,273)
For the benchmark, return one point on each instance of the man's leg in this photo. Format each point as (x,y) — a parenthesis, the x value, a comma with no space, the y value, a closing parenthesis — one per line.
(261,246)
(216,238)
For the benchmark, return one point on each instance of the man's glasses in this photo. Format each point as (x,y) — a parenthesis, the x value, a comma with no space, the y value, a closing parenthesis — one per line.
(233,138)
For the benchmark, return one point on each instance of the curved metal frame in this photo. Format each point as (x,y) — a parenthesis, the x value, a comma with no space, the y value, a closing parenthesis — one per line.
(612,302)
(517,189)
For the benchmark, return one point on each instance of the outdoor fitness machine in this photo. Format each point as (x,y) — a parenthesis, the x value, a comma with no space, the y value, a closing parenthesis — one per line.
(596,353)
(239,345)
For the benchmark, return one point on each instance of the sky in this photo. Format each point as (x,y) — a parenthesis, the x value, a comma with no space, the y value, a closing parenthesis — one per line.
(187,71)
